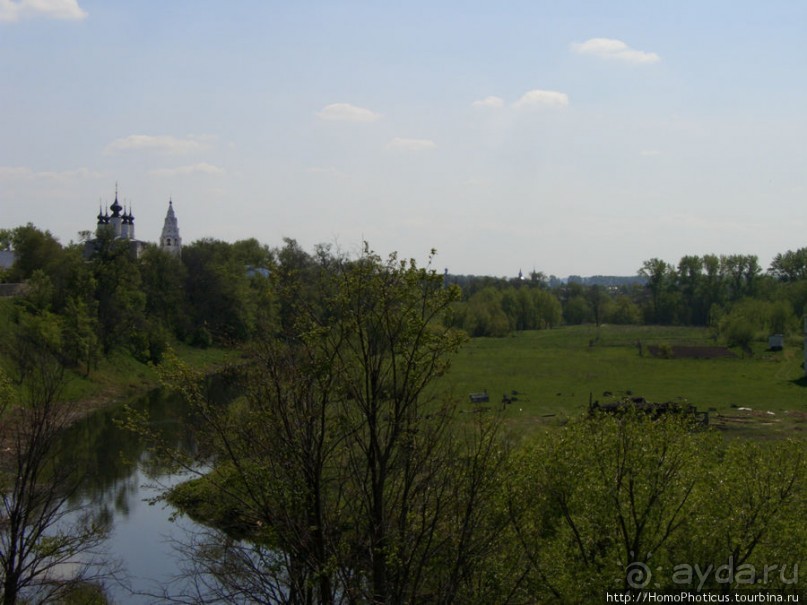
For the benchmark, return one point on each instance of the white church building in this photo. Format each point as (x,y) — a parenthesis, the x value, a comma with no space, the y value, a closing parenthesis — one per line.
(120,222)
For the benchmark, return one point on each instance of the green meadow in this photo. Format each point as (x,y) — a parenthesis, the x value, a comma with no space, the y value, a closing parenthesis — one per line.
(551,374)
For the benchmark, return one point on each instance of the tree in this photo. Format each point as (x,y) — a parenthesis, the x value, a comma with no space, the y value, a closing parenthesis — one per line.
(741,273)
(343,468)
(218,290)
(484,315)
(601,494)
(755,504)
(34,250)
(630,502)
(790,266)
(80,344)
(660,277)
(119,298)
(48,544)
(163,277)
(689,278)
(598,300)
(624,311)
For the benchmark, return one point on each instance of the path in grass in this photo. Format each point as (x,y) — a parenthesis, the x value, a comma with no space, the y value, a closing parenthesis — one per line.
(554,371)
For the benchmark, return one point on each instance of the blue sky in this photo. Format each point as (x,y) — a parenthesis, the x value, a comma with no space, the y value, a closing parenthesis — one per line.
(571,137)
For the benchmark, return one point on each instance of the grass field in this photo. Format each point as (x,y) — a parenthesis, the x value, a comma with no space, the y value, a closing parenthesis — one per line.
(551,374)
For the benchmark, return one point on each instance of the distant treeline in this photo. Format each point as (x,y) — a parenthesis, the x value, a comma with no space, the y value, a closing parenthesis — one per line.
(731,294)
(223,293)
(82,308)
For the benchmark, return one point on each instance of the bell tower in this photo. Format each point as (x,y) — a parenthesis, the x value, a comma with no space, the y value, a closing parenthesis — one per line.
(170,240)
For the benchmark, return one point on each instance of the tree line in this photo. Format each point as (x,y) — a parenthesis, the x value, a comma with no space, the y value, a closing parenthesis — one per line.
(220,293)
(731,294)
(83,307)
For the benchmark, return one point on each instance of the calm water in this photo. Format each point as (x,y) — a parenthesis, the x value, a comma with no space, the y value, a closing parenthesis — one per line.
(121,479)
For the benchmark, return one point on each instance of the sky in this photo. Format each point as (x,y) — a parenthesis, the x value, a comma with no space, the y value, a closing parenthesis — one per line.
(573,138)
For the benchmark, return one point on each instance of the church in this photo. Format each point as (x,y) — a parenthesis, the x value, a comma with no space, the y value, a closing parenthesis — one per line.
(121,223)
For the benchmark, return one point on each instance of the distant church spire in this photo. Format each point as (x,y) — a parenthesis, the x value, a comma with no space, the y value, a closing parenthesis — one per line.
(170,240)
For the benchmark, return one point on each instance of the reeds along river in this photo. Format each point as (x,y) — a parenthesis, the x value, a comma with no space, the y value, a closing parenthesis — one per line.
(121,478)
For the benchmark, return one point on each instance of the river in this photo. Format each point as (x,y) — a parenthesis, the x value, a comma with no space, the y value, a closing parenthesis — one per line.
(122,477)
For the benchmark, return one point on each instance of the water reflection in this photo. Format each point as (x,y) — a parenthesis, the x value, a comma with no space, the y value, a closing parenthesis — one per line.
(122,481)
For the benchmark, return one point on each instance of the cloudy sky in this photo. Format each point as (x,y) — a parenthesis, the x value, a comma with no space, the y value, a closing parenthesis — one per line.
(575,137)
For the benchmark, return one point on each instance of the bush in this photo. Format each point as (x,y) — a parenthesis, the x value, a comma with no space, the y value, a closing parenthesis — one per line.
(201,338)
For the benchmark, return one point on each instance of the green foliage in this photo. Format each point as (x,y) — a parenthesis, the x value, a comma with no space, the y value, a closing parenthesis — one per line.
(218,285)
(163,278)
(606,494)
(754,319)
(81,345)
(150,342)
(623,311)
(34,250)
(30,335)
(577,310)
(484,315)
(119,295)
(339,456)
(790,266)
(492,312)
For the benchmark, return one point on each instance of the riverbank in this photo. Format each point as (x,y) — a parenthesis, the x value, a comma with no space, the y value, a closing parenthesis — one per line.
(121,377)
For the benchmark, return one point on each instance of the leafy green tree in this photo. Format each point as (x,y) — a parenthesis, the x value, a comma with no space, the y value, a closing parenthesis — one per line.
(577,310)
(341,463)
(599,496)
(163,278)
(790,266)
(750,518)
(80,343)
(624,311)
(742,273)
(598,300)
(689,277)
(119,297)
(712,285)
(218,290)
(34,249)
(547,309)
(484,315)
(31,332)
(660,277)
(751,319)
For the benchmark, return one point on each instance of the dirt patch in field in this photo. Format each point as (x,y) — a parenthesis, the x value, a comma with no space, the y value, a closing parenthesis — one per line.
(690,352)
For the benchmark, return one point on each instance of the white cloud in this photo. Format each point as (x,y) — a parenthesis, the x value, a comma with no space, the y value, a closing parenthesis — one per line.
(345,112)
(12,11)
(493,102)
(542,98)
(608,48)
(8,173)
(160,144)
(411,144)
(200,168)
